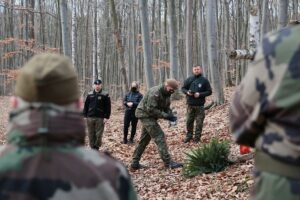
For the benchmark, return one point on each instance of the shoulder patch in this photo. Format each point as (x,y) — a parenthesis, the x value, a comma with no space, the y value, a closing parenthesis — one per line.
(91,92)
(105,93)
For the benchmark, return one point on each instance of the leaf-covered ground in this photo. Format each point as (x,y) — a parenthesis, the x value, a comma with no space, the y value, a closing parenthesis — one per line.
(156,182)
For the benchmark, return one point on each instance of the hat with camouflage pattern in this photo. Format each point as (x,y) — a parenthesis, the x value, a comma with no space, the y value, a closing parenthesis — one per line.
(48,78)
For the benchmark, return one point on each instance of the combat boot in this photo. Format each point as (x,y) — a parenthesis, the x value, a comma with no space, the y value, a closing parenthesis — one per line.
(173,165)
(130,141)
(187,139)
(196,140)
(136,166)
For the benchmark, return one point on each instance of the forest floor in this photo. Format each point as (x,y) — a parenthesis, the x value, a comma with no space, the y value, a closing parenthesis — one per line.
(156,182)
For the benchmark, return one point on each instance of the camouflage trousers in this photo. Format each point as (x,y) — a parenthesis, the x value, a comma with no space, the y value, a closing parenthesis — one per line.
(151,129)
(275,187)
(194,113)
(95,131)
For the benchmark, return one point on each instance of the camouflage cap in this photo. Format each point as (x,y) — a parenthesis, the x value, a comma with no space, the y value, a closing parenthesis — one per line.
(48,78)
(172,83)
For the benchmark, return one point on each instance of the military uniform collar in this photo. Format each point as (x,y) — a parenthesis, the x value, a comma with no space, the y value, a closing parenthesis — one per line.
(163,91)
(98,92)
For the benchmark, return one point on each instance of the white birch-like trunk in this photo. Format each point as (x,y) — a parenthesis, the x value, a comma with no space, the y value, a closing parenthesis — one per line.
(254,28)
(253,39)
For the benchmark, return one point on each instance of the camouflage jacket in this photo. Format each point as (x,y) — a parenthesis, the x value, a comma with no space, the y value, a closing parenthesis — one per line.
(45,159)
(155,104)
(265,110)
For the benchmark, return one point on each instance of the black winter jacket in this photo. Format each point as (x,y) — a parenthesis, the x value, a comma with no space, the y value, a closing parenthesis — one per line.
(134,97)
(196,84)
(97,104)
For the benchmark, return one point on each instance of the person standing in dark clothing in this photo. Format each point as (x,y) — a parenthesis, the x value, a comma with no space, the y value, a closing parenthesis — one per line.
(97,109)
(196,88)
(131,101)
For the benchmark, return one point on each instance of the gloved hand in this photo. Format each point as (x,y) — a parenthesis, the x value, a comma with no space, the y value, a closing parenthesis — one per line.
(171,118)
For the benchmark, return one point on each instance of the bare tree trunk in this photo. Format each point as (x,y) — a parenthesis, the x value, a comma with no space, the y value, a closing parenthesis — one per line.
(42,22)
(95,43)
(189,37)
(64,26)
(253,40)
(228,81)
(133,43)
(212,52)
(146,43)
(74,35)
(283,13)
(173,40)
(265,17)
(295,10)
(254,28)
(119,45)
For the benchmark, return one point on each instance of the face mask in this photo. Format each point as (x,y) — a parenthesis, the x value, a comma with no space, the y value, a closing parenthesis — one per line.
(133,89)
(171,91)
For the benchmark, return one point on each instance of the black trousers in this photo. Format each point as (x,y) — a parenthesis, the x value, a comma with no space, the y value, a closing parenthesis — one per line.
(130,118)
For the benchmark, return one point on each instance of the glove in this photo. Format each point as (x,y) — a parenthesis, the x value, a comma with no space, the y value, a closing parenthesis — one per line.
(171,118)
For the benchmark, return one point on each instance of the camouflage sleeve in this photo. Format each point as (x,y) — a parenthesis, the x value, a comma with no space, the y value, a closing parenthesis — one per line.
(246,118)
(152,107)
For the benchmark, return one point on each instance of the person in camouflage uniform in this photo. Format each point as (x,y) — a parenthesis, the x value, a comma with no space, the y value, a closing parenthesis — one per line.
(196,88)
(45,157)
(155,105)
(97,109)
(265,114)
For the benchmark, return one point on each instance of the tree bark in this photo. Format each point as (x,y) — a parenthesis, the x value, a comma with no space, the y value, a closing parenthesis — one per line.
(212,52)
(64,26)
(119,45)
(189,38)
(146,43)
(283,13)
(173,40)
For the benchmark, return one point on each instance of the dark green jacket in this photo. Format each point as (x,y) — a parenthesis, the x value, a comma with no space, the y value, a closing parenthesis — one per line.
(155,104)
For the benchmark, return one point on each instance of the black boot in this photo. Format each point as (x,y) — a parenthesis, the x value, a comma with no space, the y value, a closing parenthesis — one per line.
(173,165)
(187,139)
(124,141)
(196,140)
(130,141)
(136,166)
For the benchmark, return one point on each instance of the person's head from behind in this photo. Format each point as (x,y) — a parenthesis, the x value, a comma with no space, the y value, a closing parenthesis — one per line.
(197,70)
(47,78)
(97,85)
(134,86)
(171,85)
